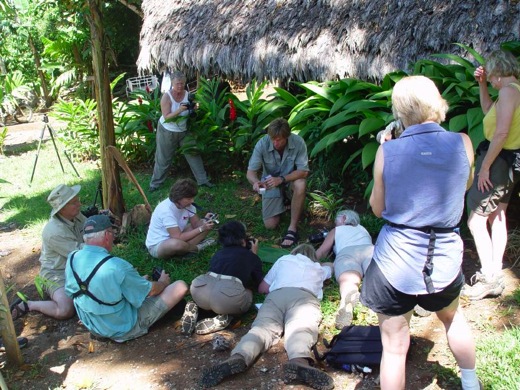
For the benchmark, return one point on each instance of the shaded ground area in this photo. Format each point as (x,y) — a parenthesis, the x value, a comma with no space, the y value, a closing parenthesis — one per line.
(61,354)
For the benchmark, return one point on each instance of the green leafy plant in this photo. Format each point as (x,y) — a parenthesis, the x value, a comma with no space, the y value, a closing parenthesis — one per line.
(3,136)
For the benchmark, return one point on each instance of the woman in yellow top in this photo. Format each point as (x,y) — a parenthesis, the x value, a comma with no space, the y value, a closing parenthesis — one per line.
(497,168)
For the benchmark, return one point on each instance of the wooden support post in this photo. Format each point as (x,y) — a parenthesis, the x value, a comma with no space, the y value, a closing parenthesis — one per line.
(12,349)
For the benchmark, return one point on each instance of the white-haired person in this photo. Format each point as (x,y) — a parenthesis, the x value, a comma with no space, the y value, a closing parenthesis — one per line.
(420,180)
(171,134)
(61,235)
(353,248)
(294,288)
(111,298)
(498,170)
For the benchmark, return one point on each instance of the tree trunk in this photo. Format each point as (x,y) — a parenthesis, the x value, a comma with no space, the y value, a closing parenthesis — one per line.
(7,331)
(41,75)
(112,191)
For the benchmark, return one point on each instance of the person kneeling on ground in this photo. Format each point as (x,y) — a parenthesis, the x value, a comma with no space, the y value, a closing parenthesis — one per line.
(235,271)
(111,298)
(292,307)
(353,247)
(169,233)
(282,156)
(61,235)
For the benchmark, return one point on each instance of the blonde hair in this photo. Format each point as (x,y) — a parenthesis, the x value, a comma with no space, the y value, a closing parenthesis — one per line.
(306,250)
(502,64)
(416,99)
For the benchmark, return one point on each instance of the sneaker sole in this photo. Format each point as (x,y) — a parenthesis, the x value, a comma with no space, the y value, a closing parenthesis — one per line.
(207,329)
(311,376)
(495,292)
(189,319)
(344,316)
(216,374)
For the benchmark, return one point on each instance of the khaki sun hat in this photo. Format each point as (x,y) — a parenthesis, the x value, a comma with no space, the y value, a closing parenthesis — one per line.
(60,196)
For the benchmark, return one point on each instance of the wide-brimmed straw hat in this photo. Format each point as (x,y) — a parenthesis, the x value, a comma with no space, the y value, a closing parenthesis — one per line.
(60,196)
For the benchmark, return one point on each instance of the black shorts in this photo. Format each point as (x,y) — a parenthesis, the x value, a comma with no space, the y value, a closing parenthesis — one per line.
(378,294)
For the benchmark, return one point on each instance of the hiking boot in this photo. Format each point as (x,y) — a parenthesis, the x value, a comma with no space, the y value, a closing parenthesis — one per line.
(483,287)
(213,324)
(189,318)
(421,312)
(345,314)
(216,374)
(205,243)
(295,370)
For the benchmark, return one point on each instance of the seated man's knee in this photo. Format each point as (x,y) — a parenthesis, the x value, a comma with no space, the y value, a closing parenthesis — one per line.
(299,186)
(272,223)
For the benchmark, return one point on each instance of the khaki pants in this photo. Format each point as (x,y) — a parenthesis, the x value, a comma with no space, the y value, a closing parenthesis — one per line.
(221,294)
(291,311)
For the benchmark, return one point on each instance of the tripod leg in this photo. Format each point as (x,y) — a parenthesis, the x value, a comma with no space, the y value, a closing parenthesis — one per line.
(55,147)
(70,162)
(51,130)
(37,153)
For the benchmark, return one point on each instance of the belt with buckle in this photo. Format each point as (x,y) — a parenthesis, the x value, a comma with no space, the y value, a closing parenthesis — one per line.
(219,276)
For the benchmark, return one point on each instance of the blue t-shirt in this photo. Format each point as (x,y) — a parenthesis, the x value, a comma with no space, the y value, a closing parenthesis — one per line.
(116,280)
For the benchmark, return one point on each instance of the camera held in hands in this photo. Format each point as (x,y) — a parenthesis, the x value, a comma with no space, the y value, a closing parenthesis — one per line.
(213,218)
(249,242)
(318,237)
(191,104)
(156,273)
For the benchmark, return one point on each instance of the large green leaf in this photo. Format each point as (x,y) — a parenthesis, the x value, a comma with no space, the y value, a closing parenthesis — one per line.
(337,119)
(323,92)
(340,103)
(458,123)
(332,138)
(369,154)
(459,60)
(302,115)
(369,125)
(352,157)
(473,52)
(289,98)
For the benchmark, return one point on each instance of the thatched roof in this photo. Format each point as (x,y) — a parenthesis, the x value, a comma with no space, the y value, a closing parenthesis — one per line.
(316,40)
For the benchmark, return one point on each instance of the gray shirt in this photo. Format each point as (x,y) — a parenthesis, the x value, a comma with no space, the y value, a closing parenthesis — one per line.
(265,156)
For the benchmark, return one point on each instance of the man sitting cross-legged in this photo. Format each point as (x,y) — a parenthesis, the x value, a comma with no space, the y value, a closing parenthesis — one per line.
(111,298)
(292,308)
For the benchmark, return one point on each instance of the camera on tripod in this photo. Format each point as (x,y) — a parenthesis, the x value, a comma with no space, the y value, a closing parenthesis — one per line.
(93,209)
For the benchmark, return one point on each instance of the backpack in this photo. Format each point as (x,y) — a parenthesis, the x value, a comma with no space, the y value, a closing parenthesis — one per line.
(353,345)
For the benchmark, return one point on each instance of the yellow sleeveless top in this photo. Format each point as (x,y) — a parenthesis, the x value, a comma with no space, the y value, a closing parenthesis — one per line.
(490,126)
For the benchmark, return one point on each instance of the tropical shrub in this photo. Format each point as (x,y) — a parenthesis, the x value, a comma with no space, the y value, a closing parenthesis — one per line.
(134,124)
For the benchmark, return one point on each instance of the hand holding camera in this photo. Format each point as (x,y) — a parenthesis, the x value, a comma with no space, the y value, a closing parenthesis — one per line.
(252,244)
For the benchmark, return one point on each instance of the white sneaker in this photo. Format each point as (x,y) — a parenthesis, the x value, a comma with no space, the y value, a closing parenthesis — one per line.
(205,243)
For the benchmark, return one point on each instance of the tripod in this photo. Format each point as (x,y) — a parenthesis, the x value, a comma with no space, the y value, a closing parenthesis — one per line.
(47,126)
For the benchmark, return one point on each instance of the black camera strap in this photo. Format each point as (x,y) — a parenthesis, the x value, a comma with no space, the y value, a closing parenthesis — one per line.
(83,285)
(428,264)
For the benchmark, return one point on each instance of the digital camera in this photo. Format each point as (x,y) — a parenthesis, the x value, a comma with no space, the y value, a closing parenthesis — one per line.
(191,105)
(156,273)
(249,242)
(213,218)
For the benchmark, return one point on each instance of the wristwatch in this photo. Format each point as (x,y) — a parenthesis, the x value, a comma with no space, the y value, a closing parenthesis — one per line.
(283,179)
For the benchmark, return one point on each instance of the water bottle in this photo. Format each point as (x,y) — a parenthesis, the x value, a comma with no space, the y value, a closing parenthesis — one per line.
(346,367)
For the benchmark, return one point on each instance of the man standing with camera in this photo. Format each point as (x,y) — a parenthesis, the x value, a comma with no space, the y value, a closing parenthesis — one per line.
(61,235)
(282,156)
(111,298)
(171,133)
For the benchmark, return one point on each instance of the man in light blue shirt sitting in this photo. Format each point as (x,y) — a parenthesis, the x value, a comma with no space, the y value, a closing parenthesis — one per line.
(111,298)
